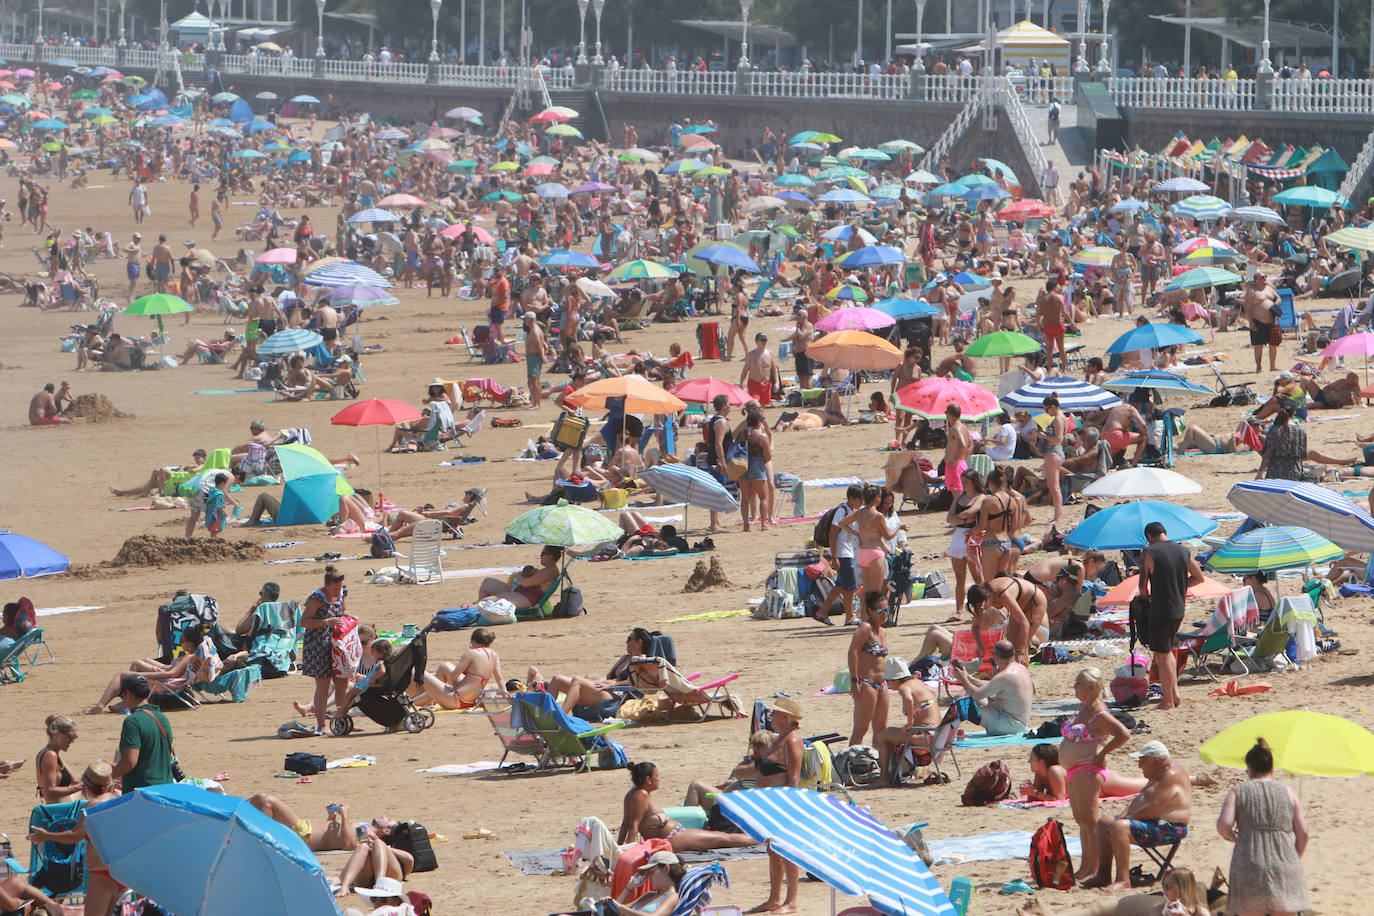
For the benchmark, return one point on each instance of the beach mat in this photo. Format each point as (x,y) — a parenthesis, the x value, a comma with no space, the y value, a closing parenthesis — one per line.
(67,609)
(228,391)
(989,847)
(550,861)
(973,742)
(460,769)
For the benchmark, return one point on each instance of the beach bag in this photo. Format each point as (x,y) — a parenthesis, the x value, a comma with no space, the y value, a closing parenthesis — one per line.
(989,785)
(1129,691)
(645,709)
(937,587)
(304,763)
(736,459)
(570,603)
(775,605)
(858,766)
(495,611)
(382,544)
(1050,862)
(347,647)
(412,838)
(455,618)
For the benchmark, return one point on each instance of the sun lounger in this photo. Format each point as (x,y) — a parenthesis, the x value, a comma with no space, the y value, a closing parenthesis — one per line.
(658,674)
(564,737)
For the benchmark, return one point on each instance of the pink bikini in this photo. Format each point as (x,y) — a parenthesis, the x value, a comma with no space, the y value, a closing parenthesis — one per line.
(1080,733)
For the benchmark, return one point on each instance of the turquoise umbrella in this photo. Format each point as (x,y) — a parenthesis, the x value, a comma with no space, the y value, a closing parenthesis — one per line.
(563,525)
(1203,277)
(1310,196)
(313,486)
(1268,549)
(1123,527)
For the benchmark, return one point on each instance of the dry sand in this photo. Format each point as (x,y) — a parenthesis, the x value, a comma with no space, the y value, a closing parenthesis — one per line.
(53,487)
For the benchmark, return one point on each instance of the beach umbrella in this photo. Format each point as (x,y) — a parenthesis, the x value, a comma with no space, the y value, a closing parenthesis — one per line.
(554,113)
(1122,594)
(167,120)
(391,133)
(408,201)
(640,269)
(1201,206)
(345,273)
(767,202)
(1311,196)
(847,292)
(277,256)
(221,98)
(563,130)
(684,166)
(1154,336)
(903,146)
(49,124)
(1156,380)
(461,165)
(845,232)
(539,170)
(562,258)
(509,196)
(930,396)
(684,483)
(563,525)
(1361,344)
(921,176)
(986,192)
(592,187)
(1075,395)
(359,296)
(157,305)
(1257,215)
(855,350)
(462,113)
(704,390)
(1142,483)
(1130,205)
(376,412)
(1094,256)
(1303,742)
(1123,527)
(1003,343)
(456,229)
(595,288)
(900,308)
(191,849)
(1200,241)
(289,341)
(872,256)
(24,558)
(1182,183)
(840,843)
(24,73)
(1203,277)
(1356,237)
(855,318)
(1267,549)
(726,256)
(697,142)
(640,396)
(845,196)
(888,192)
(1309,506)
(1025,209)
(1211,254)
(374,215)
(794,180)
(313,486)
(639,154)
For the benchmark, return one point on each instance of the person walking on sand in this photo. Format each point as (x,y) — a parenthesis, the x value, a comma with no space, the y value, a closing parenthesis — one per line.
(138,200)
(133,262)
(1264,819)
(1167,571)
(537,350)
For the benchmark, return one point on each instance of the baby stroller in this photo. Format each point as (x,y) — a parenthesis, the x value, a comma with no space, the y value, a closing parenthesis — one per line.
(385,700)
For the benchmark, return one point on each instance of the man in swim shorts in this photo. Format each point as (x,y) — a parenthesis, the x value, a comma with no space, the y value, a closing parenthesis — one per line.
(43,408)
(1260,303)
(1158,816)
(958,447)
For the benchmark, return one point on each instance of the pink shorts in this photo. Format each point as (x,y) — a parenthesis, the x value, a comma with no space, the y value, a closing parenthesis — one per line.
(954,476)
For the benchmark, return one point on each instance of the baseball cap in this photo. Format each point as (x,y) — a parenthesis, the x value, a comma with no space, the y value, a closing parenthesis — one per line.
(662,857)
(1155,749)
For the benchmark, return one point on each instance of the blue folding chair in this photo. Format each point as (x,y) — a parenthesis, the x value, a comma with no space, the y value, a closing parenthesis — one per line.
(23,655)
(58,869)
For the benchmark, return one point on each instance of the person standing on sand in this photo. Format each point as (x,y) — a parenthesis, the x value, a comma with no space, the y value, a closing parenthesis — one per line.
(1265,821)
(162,264)
(138,200)
(1259,304)
(780,765)
(760,371)
(193,204)
(1049,314)
(1167,571)
(536,351)
(958,448)
(133,262)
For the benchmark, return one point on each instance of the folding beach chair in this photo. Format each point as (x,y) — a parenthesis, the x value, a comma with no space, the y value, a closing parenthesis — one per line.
(22,656)
(648,674)
(275,634)
(442,427)
(1215,646)
(1162,854)
(496,705)
(940,739)
(470,429)
(1237,395)
(564,737)
(694,890)
(231,686)
(58,869)
(474,351)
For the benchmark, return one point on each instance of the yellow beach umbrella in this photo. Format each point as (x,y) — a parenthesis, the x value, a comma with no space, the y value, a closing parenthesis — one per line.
(1303,743)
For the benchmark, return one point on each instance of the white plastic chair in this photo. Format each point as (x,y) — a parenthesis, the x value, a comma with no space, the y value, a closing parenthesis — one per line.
(470,429)
(426,557)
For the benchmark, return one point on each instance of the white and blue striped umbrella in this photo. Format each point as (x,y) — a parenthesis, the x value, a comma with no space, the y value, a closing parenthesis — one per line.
(347,273)
(1075,395)
(682,483)
(1202,206)
(842,844)
(844,196)
(1182,183)
(289,341)
(1257,215)
(1129,205)
(1306,505)
(374,215)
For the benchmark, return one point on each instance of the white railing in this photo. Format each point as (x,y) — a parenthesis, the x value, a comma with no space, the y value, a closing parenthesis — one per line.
(1352,96)
(1358,169)
(951,88)
(829,85)
(1011,103)
(495,77)
(941,147)
(1035,89)
(673,82)
(1182,93)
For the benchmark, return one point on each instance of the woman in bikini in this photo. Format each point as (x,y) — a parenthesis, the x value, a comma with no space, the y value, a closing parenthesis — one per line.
(456,686)
(870,526)
(1089,737)
(581,691)
(781,765)
(55,781)
(645,817)
(997,552)
(965,550)
(526,591)
(1050,781)
(867,659)
(1011,604)
(1052,449)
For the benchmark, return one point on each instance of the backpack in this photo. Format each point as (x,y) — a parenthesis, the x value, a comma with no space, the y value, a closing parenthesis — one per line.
(858,766)
(1050,862)
(455,618)
(570,603)
(412,838)
(1054,112)
(304,763)
(382,544)
(821,533)
(990,784)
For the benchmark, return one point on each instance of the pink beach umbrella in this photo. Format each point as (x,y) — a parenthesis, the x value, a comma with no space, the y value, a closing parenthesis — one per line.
(277,256)
(930,396)
(855,318)
(1361,344)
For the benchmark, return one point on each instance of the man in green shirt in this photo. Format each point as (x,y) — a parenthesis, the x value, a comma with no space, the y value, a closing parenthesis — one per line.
(145,740)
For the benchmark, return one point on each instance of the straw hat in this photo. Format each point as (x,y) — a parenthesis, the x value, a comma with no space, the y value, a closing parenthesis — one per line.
(788,706)
(98,774)
(437,381)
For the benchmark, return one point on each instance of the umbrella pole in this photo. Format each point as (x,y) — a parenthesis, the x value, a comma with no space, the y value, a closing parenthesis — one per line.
(377,435)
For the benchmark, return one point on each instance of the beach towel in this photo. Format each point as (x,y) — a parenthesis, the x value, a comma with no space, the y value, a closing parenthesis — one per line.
(1232,688)
(348,763)
(988,847)
(550,861)
(460,769)
(1242,607)
(980,741)
(708,615)
(77,609)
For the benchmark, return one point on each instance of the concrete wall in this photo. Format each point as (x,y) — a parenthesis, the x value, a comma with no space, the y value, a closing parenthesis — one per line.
(999,143)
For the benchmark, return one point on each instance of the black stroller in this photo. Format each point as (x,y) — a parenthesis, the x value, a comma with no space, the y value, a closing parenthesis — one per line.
(385,700)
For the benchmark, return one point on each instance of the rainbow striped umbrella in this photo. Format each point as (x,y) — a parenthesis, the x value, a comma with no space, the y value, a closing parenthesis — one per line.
(1267,549)
(1094,256)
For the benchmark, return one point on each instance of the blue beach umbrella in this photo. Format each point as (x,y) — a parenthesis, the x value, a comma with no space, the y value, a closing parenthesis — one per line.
(1130,205)
(345,273)
(259,125)
(1123,527)
(1182,183)
(906,308)
(727,256)
(872,256)
(551,190)
(986,192)
(304,99)
(685,166)
(794,180)
(842,844)
(1311,196)
(845,196)
(682,483)
(1202,206)
(1257,215)
(49,124)
(289,341)
(562,258)
(360,296)
(374,215)
(1154,336)
(298,155)
(1306,505)
(24,558)
(202,854)
(1075,395)
(313,486)
(224,98)
(1156,380)
(250,154)
(1203,277)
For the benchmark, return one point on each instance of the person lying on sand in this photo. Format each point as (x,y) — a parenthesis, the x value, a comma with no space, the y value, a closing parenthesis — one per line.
(159,477)
(1050,781)
(644,818)
(339,832)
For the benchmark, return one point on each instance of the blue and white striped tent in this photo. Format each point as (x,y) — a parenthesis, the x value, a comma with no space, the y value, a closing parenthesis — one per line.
(1306,505)
(843,845)
(348,273)
(1075,395)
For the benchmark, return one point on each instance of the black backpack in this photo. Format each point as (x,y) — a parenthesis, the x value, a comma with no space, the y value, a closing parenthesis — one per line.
(382,544)
(821,533)
(570,603)
(412,838)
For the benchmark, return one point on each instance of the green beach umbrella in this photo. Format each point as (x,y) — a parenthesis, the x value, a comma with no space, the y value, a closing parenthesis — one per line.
(563,130)
(1203,277)
(85,94)
(1360,239)
(505,165)
(503,195)
(1268,549)
(902,146)
(18,101)
(640,269)
(137,82)
(563,525)
(1003,343)
(712,171)
(157,305)
(461,165)
(825,138)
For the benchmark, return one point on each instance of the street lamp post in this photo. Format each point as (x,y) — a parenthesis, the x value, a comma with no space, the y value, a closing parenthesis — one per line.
(920,34)
(38,39)
(162,28)
(744,6)
(434,7)
(319,29)
(582,32)
(597,7)
(1104,63)
(1264,65)
(1081,64)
